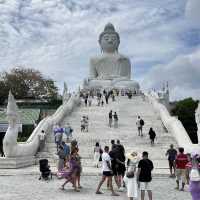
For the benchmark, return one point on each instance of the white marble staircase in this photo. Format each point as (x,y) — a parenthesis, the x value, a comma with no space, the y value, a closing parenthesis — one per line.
(128,110)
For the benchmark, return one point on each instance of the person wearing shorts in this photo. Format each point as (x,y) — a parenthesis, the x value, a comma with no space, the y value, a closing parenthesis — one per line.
(106,172)
(171,153)
(145,166)
(181,162)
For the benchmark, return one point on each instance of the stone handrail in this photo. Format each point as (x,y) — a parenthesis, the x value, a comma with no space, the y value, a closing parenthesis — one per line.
(173,125)
(30,147)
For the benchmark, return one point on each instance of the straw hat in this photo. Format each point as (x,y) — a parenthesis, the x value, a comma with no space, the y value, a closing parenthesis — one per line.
(133,156)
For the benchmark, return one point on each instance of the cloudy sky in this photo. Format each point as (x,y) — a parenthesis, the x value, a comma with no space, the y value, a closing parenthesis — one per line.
(57,37)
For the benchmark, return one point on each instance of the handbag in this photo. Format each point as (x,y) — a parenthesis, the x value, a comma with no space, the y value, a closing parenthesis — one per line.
(194,174)
(130,174)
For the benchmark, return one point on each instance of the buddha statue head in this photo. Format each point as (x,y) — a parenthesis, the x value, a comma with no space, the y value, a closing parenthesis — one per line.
(109,39)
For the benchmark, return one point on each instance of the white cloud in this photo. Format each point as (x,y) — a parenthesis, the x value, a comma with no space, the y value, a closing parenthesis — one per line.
(59,36)
(192,12)
(183,75)
(182,72)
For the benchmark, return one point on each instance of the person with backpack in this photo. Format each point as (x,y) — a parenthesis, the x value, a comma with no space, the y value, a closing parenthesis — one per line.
(140,124)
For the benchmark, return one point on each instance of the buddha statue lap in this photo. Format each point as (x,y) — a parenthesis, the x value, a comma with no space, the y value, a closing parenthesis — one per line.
(111,69)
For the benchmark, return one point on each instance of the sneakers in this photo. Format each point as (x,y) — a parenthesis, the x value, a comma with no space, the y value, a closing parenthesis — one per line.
(115,194)
(98,192)
(121,189)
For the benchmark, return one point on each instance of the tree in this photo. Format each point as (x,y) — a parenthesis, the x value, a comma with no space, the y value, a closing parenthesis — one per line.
(185,110)
(3,92)
(29,83)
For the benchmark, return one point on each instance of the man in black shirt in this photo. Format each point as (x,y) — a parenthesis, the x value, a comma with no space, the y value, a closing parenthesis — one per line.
(144,177)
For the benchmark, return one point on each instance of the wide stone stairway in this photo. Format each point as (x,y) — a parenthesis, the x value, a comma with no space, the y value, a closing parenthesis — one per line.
(99,131)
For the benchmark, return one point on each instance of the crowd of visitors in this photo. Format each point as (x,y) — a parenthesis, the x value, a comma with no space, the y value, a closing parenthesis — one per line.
(113,119)
(186,169)
(133,175)
(130,171)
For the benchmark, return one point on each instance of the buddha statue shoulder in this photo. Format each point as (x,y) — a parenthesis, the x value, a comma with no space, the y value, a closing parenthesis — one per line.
(109,68)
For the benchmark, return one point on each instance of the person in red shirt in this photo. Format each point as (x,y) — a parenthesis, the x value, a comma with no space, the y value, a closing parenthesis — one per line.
(181,161)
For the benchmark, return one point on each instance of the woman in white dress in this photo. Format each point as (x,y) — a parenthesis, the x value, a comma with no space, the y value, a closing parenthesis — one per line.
(130,176)
(96,154)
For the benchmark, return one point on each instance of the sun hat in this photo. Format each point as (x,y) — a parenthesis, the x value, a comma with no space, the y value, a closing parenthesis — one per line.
(133,156)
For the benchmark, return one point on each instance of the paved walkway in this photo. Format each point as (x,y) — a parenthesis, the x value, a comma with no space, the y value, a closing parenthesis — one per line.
(30,188)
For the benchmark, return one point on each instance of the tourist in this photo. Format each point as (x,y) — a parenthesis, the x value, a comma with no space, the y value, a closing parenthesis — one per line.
(104,92)
(110,116)
(66,149)
(181,161)
(74,145)
(144,178)
(107,172)
(79,169)
(84,123)
(98,101)
(68,131)
(194,170)
(70,173)
(61,158)
(152,135)
(58,137)
(113,97)
(120,164)
(113,145)
(97,150)
(130,176)
(187,171)
(119,145)
(115,116)
(42,139)
(139,126)
(115,160)
(171,153)
(1,148)
(106,98)
(89,101)
(86,99)
(102,103)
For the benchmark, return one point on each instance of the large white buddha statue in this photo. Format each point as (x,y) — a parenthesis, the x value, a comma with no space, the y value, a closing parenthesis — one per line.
(111,69)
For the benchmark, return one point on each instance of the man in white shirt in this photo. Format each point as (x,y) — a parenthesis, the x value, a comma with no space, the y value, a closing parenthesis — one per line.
(139,126)
(107,172)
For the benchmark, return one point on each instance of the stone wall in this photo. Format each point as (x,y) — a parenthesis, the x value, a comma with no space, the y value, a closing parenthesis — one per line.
(173,125)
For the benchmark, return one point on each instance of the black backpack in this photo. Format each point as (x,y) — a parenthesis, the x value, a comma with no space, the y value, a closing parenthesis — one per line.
(142,122)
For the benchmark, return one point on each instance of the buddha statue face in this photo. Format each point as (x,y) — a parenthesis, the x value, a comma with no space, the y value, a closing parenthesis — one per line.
(109,39)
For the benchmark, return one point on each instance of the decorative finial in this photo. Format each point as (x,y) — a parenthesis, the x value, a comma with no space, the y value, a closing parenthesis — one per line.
(65,93)
(12,109)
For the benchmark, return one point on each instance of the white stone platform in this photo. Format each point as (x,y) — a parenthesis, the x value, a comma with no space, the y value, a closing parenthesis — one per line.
(18,162)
